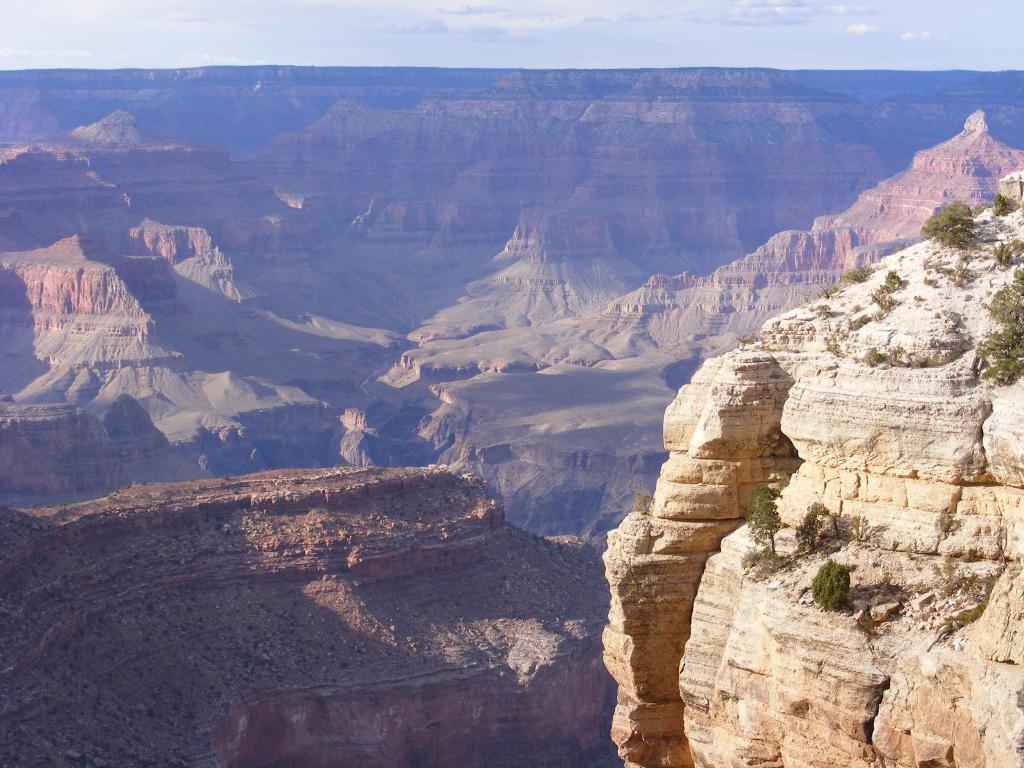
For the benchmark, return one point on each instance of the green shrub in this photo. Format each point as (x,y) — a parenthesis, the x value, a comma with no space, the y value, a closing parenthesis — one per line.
(856,275)
(764,520)
(1000,205)
(873,357)
(952,226)
(884,294)
(1005,254)
(893,282)
(831,586)
(807,531)
(1003,348)
(823,311)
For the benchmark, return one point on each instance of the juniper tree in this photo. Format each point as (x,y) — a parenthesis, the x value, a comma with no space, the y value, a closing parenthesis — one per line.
(764,520)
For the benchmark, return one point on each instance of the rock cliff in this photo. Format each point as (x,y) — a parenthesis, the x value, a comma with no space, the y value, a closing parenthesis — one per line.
(870,403)
(371,617)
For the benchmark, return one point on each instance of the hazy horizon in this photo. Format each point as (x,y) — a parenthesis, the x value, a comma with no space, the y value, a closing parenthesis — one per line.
(558,34)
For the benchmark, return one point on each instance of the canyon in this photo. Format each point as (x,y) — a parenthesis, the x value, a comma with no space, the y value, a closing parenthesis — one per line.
(315,617)
(881,415)
(218,284)
(506,271)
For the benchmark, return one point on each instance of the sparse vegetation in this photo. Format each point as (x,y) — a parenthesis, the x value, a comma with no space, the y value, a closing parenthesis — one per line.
(858,529)
(859,322)
(831,586)
(1000,205)
(961,274)
(833,347)
(873,357)
(746,341)
(1006,254)
(885,295)
(642,502)
(856,275)
(764,520)
(765,563)
(931,282)
(947,521)
(807,531)
(1003,348)
(953,226)
(822,311)
(896,356)
(828,291)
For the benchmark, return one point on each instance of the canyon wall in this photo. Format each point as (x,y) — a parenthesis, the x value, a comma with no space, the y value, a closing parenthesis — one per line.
(387,617)
(292,266)
(880,414)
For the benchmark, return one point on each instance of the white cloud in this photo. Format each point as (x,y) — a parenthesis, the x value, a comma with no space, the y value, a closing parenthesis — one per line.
(922,35)
(862,29)
(774,12)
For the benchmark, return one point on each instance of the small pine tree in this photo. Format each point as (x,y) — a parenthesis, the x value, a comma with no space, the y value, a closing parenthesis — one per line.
(952,226)
(764,520)
(831,586)
(1000,205)
(1003,348)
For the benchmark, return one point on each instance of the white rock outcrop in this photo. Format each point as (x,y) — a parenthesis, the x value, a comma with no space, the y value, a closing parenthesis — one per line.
(881,414)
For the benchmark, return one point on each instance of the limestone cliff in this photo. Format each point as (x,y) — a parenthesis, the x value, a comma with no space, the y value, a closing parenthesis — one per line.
(870,402)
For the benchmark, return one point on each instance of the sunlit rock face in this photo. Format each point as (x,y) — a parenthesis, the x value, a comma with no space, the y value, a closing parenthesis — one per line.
(314,617)
(721,662)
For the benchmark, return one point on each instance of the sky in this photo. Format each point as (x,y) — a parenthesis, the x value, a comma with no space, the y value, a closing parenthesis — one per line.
(861,34)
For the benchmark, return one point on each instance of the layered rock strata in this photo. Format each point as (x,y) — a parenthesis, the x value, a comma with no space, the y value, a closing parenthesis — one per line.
(61,452)
(876,409)
(378,617)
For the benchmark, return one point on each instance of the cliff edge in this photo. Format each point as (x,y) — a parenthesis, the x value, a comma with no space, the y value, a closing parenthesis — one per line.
(871,402)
